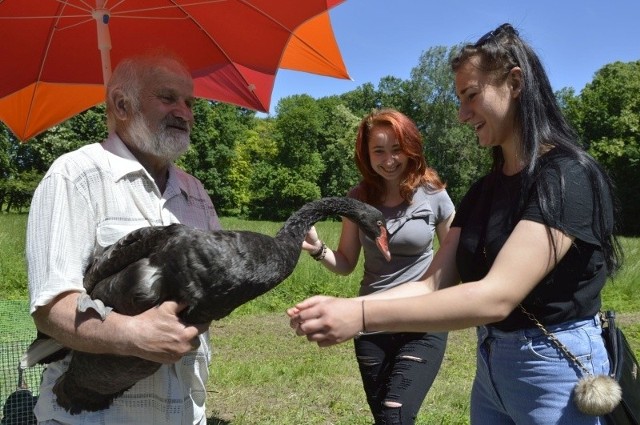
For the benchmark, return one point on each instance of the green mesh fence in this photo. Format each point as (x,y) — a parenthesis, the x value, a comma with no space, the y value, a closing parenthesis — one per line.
(17,391)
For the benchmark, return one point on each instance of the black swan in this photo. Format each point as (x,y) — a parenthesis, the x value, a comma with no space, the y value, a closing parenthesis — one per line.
(212,272)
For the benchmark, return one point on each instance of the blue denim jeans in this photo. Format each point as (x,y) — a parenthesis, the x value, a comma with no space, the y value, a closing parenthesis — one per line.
(398,368)
(523,378)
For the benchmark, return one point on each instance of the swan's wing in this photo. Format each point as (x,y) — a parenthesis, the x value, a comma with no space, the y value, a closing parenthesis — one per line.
(132,290)
(216,272)
(130,248)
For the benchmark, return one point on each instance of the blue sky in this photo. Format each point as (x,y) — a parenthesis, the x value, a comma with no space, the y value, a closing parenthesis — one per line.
(574,38)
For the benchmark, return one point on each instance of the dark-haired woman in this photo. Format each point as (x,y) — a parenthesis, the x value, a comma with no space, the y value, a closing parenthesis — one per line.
(531,241)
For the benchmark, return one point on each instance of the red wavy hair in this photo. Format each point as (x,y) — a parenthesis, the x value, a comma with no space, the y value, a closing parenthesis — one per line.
(417,173)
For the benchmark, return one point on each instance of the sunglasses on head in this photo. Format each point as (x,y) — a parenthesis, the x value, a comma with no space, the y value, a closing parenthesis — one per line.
(491,35)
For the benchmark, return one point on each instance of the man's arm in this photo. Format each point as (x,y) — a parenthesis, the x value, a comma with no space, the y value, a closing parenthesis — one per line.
(156,334)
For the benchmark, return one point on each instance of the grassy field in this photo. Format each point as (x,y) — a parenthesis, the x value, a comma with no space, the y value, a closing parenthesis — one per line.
(261,373)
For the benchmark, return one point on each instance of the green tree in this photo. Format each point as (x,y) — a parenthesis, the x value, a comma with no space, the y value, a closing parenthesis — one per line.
(281,187)
(217,129)
(396,93)
(40,152)
(7,141)
(24,164)
(257,148)
(48,146)
(570,104)
(17,190)
(298,127)
(91,125)
(609,124)
(337,147)
(362,99)
(450,147)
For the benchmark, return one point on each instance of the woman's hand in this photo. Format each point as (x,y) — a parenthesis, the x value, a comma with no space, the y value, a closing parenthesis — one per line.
(327,320)
(312,242)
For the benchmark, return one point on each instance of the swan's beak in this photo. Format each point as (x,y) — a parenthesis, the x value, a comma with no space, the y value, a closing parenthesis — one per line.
(383,244)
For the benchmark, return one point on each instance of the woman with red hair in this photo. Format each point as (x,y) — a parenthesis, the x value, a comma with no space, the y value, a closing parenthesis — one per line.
(397,369)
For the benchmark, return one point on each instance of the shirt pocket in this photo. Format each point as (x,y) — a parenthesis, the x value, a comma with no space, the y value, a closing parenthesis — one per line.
(109,233)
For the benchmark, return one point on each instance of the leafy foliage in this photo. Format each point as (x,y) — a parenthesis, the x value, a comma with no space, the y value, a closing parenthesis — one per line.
(293,175)
(450,147)
(16,191)
(6,146)
(607,117)
(265,168)
(259,147)
(218,128)
(22,165)
(362,99)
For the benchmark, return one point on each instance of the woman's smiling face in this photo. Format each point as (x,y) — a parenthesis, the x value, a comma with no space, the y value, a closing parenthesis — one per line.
(487,105)
(385,153)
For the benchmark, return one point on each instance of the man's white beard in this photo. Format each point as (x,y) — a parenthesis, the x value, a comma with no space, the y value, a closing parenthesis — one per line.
(166,143)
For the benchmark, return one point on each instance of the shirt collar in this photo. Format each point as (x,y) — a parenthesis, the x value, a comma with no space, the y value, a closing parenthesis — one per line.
(122,162)
(176,184)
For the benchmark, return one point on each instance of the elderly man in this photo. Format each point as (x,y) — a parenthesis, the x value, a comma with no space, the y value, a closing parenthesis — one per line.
(88,200)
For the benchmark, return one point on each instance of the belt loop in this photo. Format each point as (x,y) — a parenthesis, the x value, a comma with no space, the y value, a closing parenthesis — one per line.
(482,333)
(522,335)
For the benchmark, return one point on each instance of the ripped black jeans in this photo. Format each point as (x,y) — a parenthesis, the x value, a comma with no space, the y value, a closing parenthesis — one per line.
(397,371)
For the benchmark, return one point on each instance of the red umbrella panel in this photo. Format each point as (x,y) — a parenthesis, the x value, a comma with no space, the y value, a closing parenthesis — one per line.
(57,54)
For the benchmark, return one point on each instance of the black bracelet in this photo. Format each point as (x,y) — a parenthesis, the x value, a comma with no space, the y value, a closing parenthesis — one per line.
(320,253)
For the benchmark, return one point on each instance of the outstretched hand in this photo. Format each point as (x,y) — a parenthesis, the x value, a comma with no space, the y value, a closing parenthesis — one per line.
(327,320)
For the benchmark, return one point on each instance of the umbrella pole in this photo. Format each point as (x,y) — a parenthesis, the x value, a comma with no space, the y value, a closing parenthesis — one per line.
(102,16)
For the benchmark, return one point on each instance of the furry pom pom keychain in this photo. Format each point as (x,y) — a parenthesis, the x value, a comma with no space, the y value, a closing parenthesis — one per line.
(594,395)
(597,395)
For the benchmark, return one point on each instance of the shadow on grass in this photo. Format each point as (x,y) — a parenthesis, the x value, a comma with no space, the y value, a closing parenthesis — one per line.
(217,421)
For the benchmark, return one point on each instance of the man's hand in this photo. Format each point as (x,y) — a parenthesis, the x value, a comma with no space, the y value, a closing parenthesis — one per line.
(160,336)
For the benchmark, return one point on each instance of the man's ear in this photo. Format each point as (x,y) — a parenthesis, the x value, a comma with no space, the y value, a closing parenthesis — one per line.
(122,107)
(515,81)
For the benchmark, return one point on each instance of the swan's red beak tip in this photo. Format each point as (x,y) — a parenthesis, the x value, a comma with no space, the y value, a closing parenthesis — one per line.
(383,243)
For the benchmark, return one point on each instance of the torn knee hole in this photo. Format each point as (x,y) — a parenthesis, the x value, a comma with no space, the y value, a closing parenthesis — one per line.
(368,361)
(392,404)
(415,359)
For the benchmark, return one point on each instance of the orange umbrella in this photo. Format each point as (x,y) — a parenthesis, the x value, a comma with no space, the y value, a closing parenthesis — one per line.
(57,54)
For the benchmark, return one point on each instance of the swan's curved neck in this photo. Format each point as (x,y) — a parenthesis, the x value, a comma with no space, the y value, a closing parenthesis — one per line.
(300,222)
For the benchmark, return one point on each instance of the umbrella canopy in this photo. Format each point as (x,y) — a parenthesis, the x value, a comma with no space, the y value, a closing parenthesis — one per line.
(57,54)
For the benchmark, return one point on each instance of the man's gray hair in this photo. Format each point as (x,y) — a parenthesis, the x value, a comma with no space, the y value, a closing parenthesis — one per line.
(129,75)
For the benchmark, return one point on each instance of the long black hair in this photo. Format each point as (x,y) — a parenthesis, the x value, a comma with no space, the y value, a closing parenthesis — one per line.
(543,127)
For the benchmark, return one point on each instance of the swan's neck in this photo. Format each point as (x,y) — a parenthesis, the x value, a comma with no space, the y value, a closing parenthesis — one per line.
(297,226)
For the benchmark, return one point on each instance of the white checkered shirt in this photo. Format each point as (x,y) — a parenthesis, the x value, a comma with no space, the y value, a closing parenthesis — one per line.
(89,198)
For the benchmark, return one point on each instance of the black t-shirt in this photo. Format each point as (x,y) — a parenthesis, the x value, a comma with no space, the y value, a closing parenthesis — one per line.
(488,213)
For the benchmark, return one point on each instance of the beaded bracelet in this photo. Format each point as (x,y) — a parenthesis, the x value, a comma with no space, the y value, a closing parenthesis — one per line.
(320,253)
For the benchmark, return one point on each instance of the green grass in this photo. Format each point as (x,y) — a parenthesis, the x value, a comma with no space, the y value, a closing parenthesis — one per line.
(13,272)
(261,373)
(621,293)
(309,385)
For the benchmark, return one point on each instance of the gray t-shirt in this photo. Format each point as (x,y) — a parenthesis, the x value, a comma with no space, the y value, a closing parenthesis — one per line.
(411,230)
